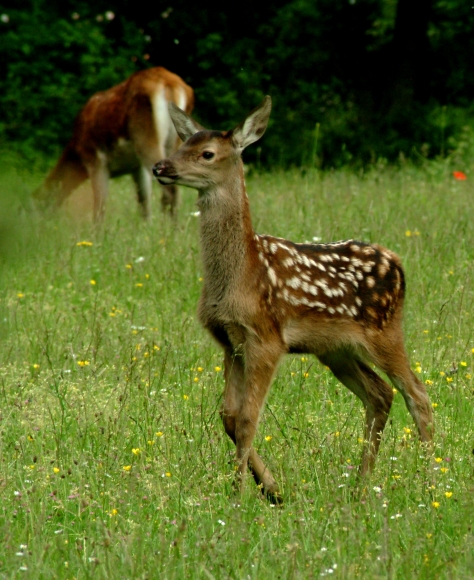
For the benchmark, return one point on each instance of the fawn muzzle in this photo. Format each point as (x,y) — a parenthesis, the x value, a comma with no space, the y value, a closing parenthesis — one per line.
(164,172)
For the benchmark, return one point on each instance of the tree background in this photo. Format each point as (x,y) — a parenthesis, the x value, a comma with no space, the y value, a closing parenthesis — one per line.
(352,81)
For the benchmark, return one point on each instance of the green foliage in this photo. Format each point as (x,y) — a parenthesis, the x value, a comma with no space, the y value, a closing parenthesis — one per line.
(52,65)
(332,63)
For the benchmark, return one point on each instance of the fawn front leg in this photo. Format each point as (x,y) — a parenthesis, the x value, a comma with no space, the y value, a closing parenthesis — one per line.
(233,400)
(259,368)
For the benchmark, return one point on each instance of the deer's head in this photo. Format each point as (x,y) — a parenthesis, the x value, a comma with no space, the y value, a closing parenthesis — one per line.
(206,158)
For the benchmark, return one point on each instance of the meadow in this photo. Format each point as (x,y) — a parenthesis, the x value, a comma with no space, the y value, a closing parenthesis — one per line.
(113,459)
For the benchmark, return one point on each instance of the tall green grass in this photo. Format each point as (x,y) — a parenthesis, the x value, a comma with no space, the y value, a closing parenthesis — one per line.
(114,462)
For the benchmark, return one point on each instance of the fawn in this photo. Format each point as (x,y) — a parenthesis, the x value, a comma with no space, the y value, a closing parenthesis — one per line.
(265,296)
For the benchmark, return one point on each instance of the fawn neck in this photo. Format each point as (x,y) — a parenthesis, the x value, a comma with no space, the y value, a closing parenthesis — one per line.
(226,232)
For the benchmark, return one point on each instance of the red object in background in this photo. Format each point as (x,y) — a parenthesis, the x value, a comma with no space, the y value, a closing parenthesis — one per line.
(459,175)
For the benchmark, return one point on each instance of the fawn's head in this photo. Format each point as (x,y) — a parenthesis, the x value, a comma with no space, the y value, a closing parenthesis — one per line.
(206,157)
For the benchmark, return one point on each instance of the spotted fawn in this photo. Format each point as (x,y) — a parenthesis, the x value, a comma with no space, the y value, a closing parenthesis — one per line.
(265,296)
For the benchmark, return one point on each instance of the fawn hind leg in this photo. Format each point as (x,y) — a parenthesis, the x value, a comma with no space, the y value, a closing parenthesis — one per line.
(390,355)
(234,396)
(375,394)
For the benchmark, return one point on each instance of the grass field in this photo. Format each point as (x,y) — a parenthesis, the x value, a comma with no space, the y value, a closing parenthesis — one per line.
(114,462)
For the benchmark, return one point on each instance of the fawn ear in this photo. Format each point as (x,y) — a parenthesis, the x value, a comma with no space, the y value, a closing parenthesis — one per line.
(184,125)
(254,125)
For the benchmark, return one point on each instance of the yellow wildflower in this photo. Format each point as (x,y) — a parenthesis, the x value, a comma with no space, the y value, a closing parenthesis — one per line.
(168,474)
(435,504)
(93,282)
(268,438)
(85,243)
(136,451)
(185,397)
(83,363)
(159,433)
(56,469)
(448,494)
(428,382)
(438,460)
(217,369)
(463,363)
(127,467)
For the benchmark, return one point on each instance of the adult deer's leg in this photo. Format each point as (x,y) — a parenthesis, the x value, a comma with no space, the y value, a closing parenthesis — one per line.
(169,199)
(234,401)
(100,187)
(376,396)
(143,182)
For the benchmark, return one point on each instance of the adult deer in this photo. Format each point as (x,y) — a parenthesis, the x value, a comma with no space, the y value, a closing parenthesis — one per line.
(265,296)
(122,130)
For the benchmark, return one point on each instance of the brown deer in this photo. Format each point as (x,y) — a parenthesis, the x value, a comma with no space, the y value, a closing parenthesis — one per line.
(265,296)
(122,130)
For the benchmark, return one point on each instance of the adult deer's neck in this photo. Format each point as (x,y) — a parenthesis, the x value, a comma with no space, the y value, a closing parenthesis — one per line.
(226,233)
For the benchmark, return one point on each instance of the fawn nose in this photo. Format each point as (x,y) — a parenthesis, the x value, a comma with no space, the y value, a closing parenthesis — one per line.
(158,168)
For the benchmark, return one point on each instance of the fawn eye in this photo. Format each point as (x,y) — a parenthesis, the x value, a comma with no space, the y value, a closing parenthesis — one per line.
(208,154)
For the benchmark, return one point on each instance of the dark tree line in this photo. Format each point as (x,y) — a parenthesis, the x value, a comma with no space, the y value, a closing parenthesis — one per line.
(380,77)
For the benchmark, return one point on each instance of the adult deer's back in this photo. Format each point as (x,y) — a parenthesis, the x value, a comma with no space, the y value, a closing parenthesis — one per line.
(122,130)
(265,296)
